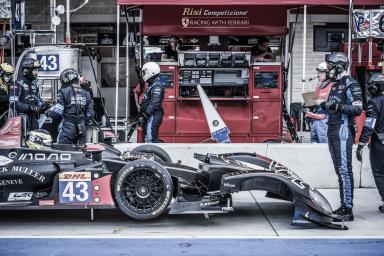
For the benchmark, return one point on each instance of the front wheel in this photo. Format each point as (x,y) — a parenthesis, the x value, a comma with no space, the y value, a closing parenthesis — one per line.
(143,189)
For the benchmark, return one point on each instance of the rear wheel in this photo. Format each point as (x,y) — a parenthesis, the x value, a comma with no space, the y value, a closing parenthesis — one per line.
(158,152)
(143,189)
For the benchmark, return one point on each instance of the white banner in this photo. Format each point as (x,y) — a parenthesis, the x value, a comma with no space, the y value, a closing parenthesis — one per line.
(5,9)
(368,23)
(377,27)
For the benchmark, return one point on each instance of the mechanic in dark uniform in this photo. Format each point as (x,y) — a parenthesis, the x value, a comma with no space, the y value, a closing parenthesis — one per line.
(343,104)
(374,129)
(6,73)
(151,108)
(24,96)
(75,106)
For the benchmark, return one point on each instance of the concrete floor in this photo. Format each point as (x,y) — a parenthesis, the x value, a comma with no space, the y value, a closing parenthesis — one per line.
(248,220)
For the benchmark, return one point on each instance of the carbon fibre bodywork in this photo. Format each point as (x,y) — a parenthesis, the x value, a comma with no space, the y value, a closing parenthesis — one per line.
(100,176)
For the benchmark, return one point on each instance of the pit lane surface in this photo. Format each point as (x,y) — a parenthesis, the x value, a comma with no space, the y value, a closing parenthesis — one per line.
(254,215)
(182,246)
(255,218)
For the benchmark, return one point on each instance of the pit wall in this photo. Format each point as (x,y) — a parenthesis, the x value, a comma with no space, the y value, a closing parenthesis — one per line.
(312,162)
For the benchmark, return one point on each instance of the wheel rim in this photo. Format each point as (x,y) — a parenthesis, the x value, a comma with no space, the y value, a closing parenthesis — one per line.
(143,190)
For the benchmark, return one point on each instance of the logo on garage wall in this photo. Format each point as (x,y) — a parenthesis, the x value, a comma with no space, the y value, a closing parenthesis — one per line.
(209,17)
(185,22)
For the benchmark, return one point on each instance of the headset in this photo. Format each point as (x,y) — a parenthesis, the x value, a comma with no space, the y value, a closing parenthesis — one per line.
(375,88)
(67,77)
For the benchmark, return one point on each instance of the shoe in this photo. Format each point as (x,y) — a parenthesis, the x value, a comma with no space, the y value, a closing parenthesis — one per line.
(345,213)
(381,208)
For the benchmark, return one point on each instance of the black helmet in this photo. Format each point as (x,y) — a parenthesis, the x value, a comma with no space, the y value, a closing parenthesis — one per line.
(69,76)
(338,62)
(376,84)
(28,66)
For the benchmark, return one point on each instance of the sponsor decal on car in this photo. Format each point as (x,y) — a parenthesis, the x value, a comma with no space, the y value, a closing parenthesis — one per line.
(75,187)
(75,176)
(164,204)
(11,182)
(45,157)
(5,160)
(20,196)
(46,202)
(7,142)
(22,169)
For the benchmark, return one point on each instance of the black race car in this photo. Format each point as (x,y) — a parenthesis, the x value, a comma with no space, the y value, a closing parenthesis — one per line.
(144,183)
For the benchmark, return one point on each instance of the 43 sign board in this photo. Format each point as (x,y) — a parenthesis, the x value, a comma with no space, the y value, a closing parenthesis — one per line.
(75,187)
(49,62)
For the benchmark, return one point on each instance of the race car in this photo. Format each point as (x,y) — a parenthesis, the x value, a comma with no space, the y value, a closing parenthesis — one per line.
(144,183)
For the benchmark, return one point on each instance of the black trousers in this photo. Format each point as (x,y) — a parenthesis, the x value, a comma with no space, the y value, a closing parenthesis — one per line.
(376,155)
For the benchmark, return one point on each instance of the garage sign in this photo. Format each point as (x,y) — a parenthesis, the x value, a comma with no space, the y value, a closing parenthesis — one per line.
(49,62)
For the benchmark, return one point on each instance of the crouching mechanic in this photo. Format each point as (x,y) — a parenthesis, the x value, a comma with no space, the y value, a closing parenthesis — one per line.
(151,109)
(344,103)
(374,129)
(24,95)
(74,105)
(316,114)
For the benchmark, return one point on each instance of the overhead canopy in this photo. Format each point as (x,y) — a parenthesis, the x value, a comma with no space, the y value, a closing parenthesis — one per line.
(247,2)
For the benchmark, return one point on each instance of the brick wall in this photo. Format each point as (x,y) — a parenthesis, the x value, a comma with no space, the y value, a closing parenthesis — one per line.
(312,60)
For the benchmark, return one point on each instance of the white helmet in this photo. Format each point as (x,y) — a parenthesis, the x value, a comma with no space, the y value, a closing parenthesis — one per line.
(322,67)
(149,70)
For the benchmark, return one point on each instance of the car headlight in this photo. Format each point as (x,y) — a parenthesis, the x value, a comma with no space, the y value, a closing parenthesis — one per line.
(320,200)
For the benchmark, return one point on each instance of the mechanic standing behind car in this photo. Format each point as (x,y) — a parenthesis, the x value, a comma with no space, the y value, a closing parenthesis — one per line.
(344,103)
(374,129)
(151,109)
(6,73)
(318,116)
(75,106)
(24,97)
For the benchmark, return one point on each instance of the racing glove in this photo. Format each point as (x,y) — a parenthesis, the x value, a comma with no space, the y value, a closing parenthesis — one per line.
(331,106)
(359,151)
(34,109)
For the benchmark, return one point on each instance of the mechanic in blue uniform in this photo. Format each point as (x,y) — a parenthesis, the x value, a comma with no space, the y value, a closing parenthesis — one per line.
(374,129)
(343,104)
(75,106)
(24,96)
(151,109)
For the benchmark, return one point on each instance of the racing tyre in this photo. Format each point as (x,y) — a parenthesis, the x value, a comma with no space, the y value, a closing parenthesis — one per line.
(143,189)
(155,150)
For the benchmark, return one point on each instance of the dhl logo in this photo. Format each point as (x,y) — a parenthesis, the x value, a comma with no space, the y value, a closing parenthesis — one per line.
(75,176)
